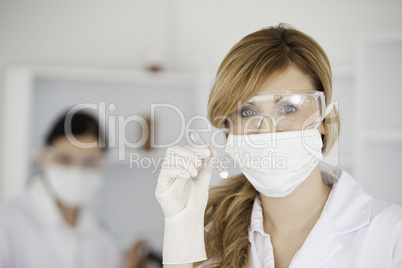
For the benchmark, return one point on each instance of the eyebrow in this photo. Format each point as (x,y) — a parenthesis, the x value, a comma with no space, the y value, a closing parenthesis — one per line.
(250,102)
(278,99)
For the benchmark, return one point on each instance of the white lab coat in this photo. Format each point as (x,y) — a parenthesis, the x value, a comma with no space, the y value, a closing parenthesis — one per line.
(34,235)
(354,231)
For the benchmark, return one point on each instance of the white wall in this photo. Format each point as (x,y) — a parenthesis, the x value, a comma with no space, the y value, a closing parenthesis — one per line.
(207,29)
(191,35)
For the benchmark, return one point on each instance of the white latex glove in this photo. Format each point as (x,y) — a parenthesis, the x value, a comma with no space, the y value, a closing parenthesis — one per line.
(182,192)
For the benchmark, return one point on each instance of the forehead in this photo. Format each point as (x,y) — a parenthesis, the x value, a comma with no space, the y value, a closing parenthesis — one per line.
(291,79)
(63,144)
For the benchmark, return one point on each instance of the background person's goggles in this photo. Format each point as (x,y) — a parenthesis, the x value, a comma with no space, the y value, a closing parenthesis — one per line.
(283,111)
(87,161)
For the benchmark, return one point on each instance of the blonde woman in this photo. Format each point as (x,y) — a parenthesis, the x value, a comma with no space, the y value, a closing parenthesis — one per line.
(272,94)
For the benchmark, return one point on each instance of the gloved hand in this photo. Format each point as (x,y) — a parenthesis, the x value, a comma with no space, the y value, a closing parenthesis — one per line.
(182,192)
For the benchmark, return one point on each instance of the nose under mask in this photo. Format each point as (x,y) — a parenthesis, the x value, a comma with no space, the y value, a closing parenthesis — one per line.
(276,163)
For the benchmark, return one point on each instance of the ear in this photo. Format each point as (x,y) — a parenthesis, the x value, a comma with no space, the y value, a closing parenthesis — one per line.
(321,128)
(42,156)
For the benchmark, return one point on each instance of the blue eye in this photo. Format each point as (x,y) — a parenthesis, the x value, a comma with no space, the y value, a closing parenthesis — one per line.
(247,112)
(287,109)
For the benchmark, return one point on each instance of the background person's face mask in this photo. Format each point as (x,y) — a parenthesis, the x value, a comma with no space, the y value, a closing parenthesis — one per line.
(73,186)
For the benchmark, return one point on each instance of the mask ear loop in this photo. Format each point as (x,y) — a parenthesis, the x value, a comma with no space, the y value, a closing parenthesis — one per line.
(329,109)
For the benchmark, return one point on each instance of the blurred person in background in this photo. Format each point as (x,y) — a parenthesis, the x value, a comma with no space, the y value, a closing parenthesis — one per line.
(51,223)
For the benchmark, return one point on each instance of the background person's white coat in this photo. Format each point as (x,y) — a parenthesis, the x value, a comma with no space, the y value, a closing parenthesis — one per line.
(33,234)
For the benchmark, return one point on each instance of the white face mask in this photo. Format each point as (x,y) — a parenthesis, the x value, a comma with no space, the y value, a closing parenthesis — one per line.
(73,186)
(276,163)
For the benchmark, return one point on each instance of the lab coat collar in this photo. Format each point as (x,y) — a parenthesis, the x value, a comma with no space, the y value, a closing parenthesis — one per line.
(46,212)
(347,209)
(257,218)
(262,254)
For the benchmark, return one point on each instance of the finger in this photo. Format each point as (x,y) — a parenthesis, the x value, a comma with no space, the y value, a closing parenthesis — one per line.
(182,162)
(173,200)
(201,152)
(204,175)
(178,167)
(182,165)
(180,156)
(185,158)
(213,153)
(168,175)
(139,244)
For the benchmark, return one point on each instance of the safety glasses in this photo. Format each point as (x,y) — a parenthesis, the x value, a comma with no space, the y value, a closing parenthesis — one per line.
(74,159)
(277,111)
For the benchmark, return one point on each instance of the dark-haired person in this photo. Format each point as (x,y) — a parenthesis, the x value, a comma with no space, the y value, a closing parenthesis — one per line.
(51,225)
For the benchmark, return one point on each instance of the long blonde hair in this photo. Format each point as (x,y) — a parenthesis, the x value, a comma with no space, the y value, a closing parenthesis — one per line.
(248,65)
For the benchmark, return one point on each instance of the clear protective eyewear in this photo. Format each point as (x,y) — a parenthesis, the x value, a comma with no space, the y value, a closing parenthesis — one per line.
(69,159)
(277,111)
